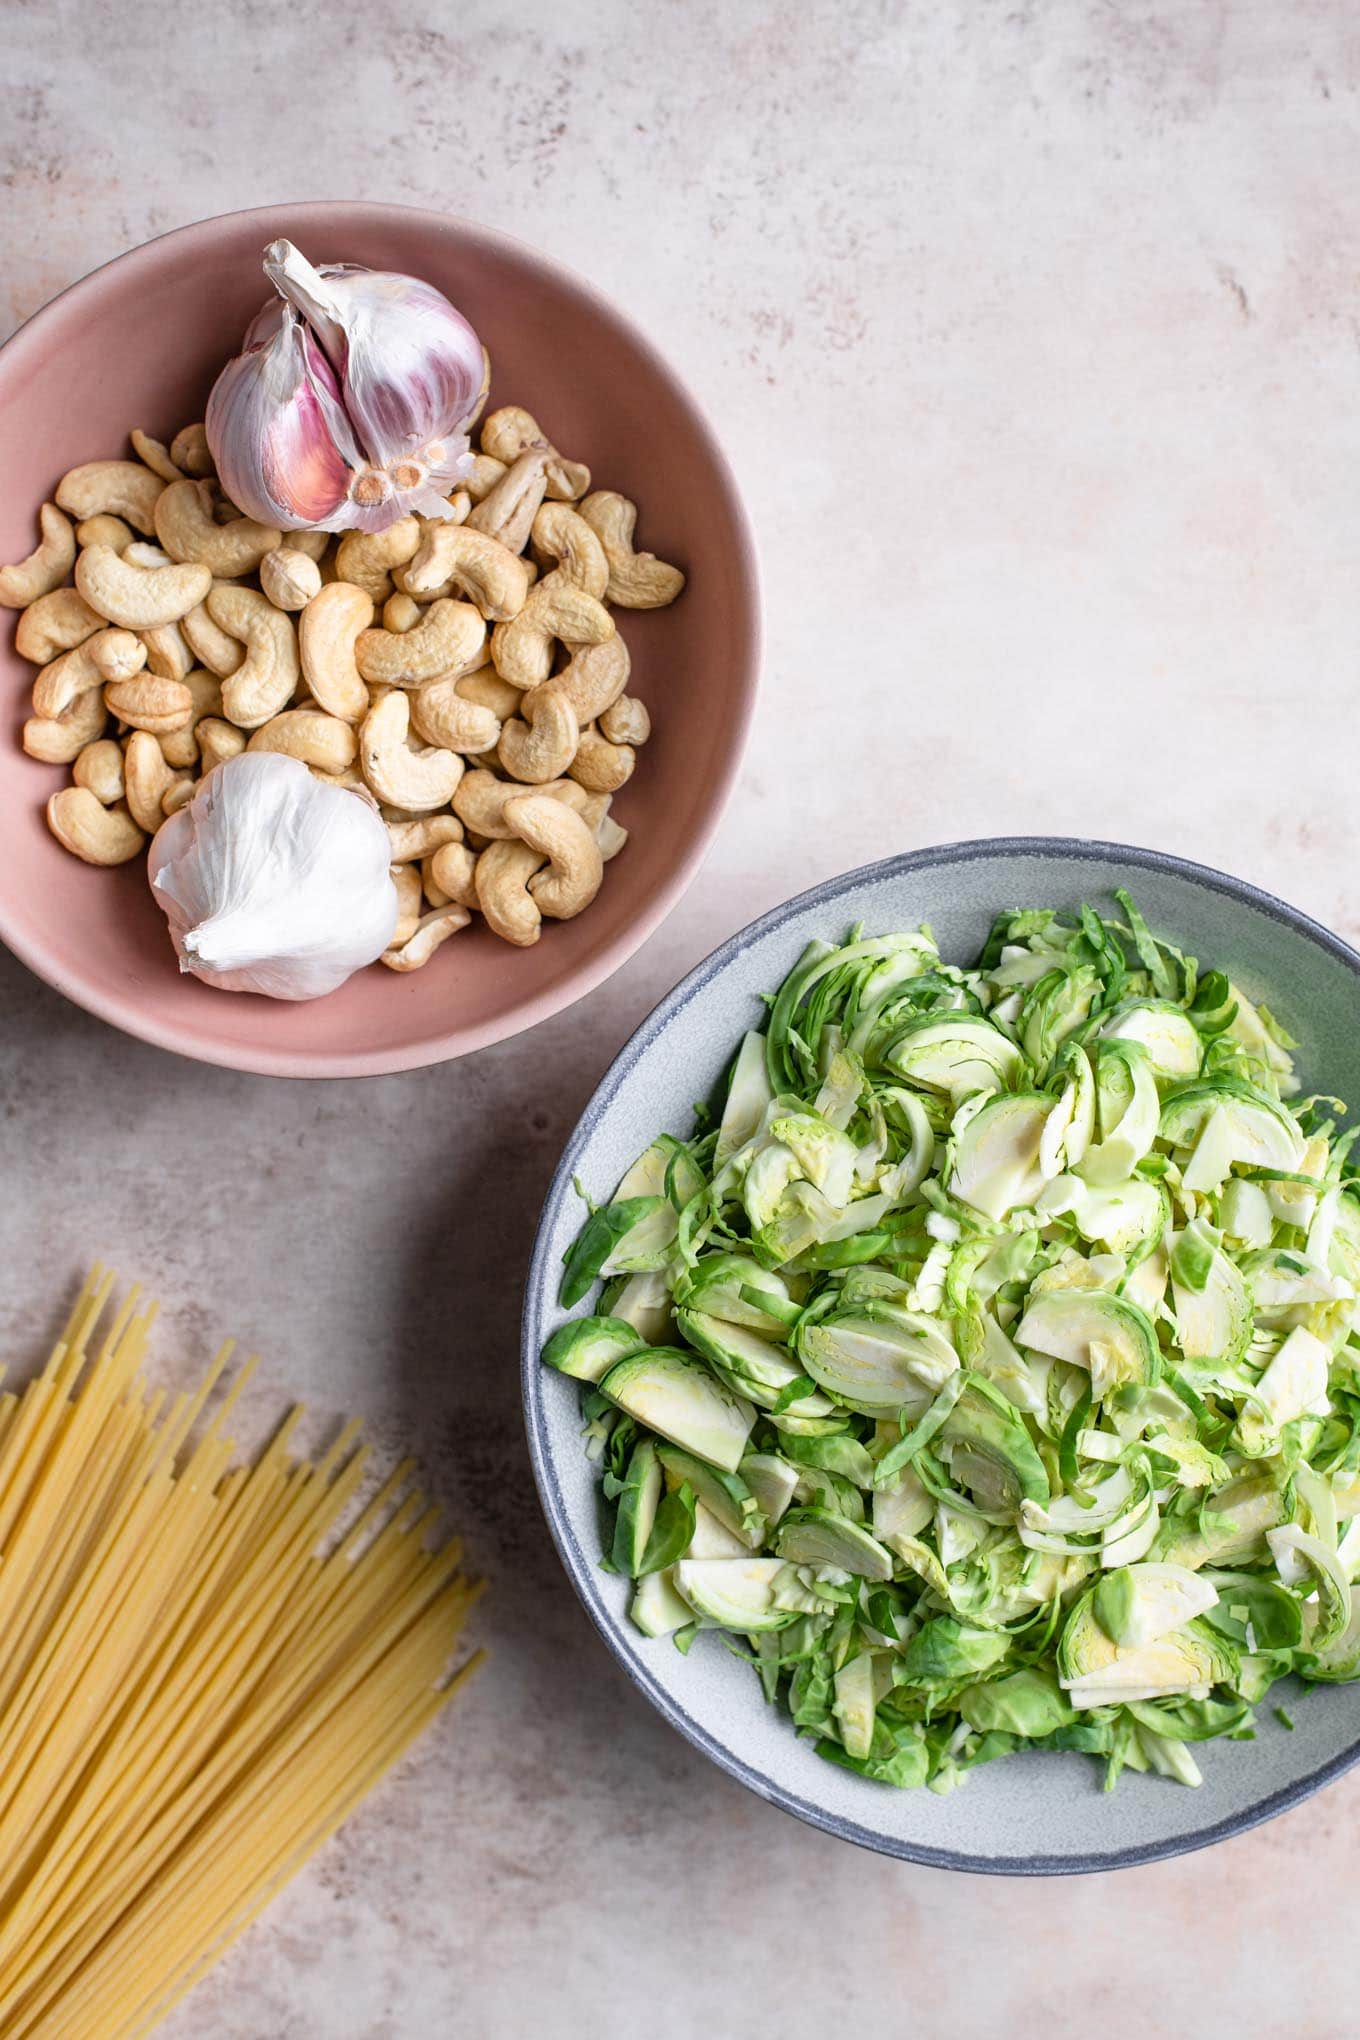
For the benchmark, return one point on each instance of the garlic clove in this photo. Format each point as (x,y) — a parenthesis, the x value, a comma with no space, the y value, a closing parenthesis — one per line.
(278,429)
(381,364)
(273,882)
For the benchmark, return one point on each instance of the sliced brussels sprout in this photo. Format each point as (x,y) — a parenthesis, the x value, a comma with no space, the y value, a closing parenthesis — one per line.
(587,1347)
(817,1537)
(1213,1309)
(712,1539)
(749,1093)
(825,1156)
(956,1055)
(724,1495)
(672,1394)
(1166,1031)
(945,1651)
(1297,1554)
(1244,1213)
(996,1157)
(1293,1385)
(1028,1703)
(1108,1335)
(736,1593)
(1234,1526)
(1137,1604)
(618,1239)
(903,1509)
(643,1301)
(637,1509)
(1094,1671)
(1127,1107)
(665,1169)
(1228,1124)
(656,1608)
(771,1480)
(1059,1004)
(990,1451)
(854,1703)
(737,1289)
(877,1356)
(1127,1217)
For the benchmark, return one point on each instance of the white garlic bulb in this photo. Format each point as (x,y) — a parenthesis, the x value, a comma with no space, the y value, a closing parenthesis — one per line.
(274,882)
(349,403)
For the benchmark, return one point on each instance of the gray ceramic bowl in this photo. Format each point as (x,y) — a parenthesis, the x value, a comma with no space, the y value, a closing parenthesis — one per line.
(1034,1815)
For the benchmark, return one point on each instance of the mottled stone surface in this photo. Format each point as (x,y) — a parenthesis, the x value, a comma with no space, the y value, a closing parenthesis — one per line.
(1034,333)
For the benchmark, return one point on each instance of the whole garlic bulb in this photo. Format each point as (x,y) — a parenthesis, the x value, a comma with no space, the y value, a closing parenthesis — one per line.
(274,882)
(348,405)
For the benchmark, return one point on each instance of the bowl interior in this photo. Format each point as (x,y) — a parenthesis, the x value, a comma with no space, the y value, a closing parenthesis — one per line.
(1029,1814)
(139,343)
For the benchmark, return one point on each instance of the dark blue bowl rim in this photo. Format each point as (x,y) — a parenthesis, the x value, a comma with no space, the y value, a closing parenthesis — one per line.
(540,1294)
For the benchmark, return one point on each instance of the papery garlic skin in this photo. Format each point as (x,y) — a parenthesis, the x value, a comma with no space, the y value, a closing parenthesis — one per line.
(274,882)
(349,404)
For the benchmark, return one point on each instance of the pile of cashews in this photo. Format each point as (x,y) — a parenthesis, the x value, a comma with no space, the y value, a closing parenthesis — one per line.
(486,713)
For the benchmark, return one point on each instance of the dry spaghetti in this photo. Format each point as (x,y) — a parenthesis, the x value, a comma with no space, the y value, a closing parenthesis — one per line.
(203,1669)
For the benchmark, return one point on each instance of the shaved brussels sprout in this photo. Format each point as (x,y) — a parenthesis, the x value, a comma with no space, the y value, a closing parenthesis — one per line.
(988,1364)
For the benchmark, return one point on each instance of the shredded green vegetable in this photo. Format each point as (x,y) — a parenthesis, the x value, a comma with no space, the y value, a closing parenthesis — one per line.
(989,1371)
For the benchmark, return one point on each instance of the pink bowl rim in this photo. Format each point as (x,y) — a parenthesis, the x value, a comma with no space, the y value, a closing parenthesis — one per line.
(127,1014)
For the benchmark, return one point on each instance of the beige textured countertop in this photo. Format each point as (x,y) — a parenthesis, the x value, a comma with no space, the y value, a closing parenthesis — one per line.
(1034,332)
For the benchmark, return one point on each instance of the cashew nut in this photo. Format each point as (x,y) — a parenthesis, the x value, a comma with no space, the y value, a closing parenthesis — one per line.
(576,867)
(108,655)
(413,841)
(314,543)
(442,715)
(59,740)
(540,744)
(55,623)
(121,488)
(448,640)
(415,780)
(105,530)
(430,931)
(482,477)
(146,703)
(181,790)
(218,741)
(636,580)
(152,454)
(189,451)
(367,557)
(99,835)
(46,567)
(507,511)
(522,650)
(434,895)
(481,801)
(401,612)
(502,880)
(562,534)
(167,653)
(100,767)
(599,766)
(180,747)
(452,868)
(210,645)
(289,578)
(136,597)
(626,721)
(610,836)
(511,431)
(327,630)
(186,527)
(267,677)
(488,690)
(148,779)
(406,878)
(307,733)
(141,553)
(596,677)
(454,556)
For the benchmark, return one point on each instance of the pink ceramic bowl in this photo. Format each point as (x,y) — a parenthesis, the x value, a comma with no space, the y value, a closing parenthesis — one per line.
(139,343)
